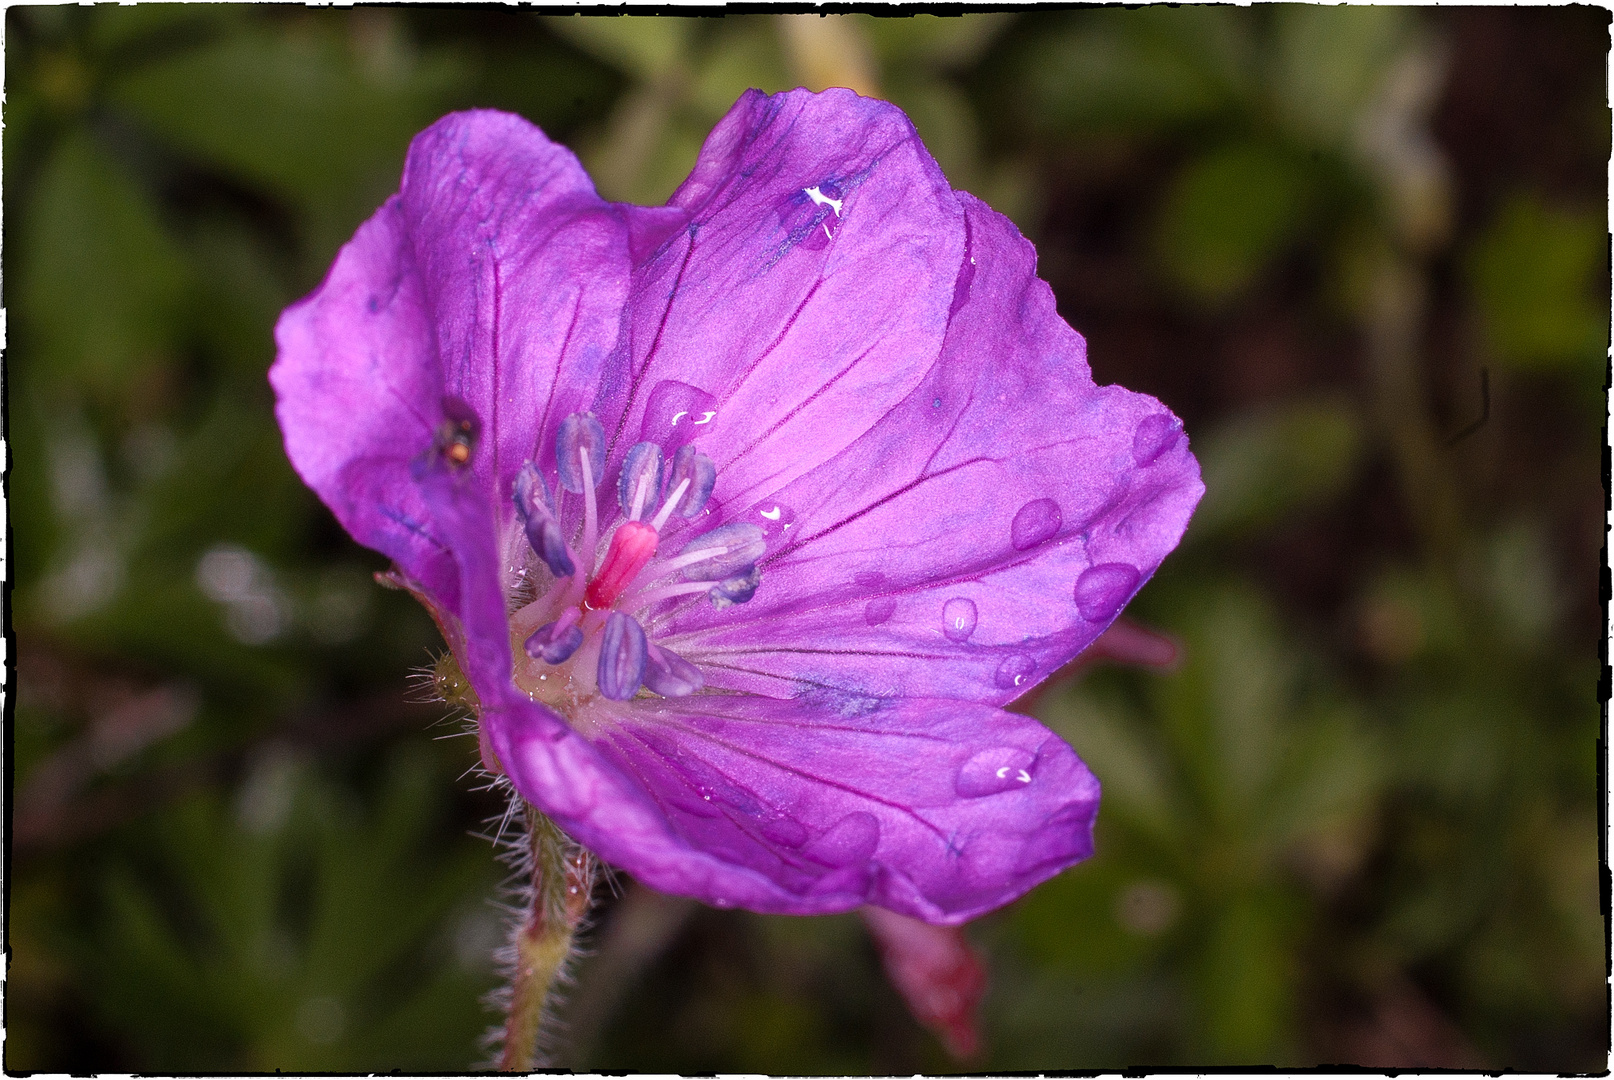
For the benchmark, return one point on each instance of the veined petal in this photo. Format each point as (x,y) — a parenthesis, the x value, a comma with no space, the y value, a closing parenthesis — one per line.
(776,317)
(937,809)
(979,536)
(496,276)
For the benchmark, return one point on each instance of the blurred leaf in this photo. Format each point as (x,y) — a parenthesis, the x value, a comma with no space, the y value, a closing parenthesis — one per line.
(742,54)
(1328,62)
(1538,278)
(276,963)
(945,120)
(306,116)
(1227,215)
(1260,467)
(647,47)
(1132,70)
(1522,584)
(1134,779)
(1087,920)
(934,41)
(145,26)
(1228,709)
(1247,974)
(102,280)
(1330,776)
(240,294)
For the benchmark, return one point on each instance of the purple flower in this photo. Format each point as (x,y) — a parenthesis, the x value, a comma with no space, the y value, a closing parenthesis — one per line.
(744,516)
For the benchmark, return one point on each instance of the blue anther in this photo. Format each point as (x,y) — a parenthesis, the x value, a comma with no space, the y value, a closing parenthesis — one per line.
(577,432)
(622,657)
(692,465)
(734,549)
(538,515)
(670,675)
(736,589)
(554,643)
(642,467)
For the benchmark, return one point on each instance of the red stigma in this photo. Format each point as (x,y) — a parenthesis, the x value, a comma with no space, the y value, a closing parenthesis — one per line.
(633,545)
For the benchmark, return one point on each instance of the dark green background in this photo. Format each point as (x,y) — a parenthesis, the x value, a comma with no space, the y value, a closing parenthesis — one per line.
(1360,824)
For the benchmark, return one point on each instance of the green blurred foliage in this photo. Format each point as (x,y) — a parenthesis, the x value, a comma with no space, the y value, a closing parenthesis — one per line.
(1262,465)
(304,937)
(1536,275)
(1366,802)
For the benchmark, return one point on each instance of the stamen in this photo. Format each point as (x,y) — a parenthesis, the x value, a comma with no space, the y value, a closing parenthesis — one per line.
(591,514)
(639,486)
(622,657)
(737,589)
(640,600)
(670,505)
(670,675)
(632,546)
(731,549)
(692,465)
(543,531)
(578,433)
(662,567)
(555,642)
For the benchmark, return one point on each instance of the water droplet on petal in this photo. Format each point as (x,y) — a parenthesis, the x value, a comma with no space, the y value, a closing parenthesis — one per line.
(878,610)
(1156,434)
(1015,671)
(1002,768)
(1102,589)
(786,832)
(773,518)
(671,411)
(850,840)
(1035,522)
(958,618)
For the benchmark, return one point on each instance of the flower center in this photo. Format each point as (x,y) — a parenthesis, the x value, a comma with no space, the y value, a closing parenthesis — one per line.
(582,633)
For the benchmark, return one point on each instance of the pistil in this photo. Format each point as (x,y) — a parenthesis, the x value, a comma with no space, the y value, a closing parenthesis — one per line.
(632,546)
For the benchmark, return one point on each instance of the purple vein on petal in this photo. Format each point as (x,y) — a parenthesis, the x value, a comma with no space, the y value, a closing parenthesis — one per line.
(413,526)
(789,680)
(868,509)
(496,385)
(739,821)
(805,775)
(790,322)
(817,725)
(560,362)
(941,444)
(655,344)
(747,650)
(791,415)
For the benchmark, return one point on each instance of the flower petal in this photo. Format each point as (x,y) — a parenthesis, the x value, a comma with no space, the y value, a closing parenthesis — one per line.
(798,303)
(936,809)
(984,532)
(496,276)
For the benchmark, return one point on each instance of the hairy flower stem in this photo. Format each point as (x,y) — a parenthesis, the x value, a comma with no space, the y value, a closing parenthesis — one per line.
(562,888)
